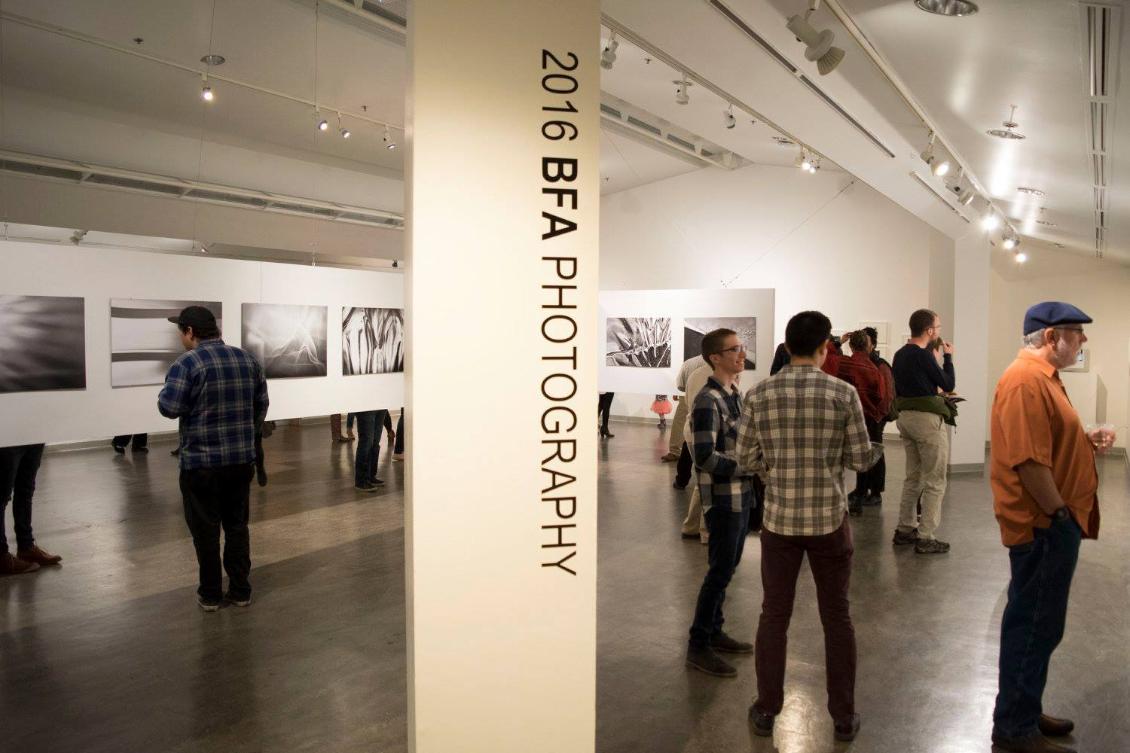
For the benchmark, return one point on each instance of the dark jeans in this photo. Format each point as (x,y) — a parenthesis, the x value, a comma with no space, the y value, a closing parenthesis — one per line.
(684,467)
(724,552)
(829,558)
(370,424)
(1033,624)
(603,408)
(874,480)
(215,498)
(140,441)
(18,467)
(398,447)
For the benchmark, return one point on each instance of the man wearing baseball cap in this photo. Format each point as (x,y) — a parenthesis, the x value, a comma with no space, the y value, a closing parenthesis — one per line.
(1045,485)
(219,393)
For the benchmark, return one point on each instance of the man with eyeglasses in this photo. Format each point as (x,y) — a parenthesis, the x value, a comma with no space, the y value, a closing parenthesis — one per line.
(727,494)
(920,385)
(1042,471)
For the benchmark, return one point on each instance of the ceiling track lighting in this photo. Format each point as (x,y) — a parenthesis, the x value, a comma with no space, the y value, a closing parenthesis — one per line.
(938,167)
(1010,242)
(1009,131)
(1020,257)
(608,54)
(322,123)
(728,118)
(807,161)
(206,93)
(387,139)
(990,221)
(682,93)
(818,44)
(345,133)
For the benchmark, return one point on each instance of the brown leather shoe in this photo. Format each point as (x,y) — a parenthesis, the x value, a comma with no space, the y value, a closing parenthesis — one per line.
(38,556)
(1053,727)
(10,565)
(1032,744)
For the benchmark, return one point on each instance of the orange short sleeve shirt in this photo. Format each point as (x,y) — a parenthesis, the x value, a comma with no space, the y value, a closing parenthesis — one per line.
(1033,420)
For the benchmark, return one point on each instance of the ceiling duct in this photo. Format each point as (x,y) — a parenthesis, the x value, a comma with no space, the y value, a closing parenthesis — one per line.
(49,168)
(618,116)
(1100,24)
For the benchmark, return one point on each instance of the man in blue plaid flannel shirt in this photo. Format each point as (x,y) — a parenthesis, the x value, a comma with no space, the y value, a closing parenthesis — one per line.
(219,393)
(727,494)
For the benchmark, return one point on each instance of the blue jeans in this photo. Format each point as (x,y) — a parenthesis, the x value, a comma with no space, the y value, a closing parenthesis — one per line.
(1033,624)
(18,468)
(398,446)
(727,540)
(370,424)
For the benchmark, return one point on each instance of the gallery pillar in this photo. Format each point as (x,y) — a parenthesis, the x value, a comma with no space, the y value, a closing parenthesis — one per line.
(503,199)
(971,343)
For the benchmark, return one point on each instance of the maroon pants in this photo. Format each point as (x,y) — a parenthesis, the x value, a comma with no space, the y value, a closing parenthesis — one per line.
(829,558)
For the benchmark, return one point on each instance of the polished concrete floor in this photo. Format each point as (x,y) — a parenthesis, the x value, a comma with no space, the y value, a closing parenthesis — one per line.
(110,653)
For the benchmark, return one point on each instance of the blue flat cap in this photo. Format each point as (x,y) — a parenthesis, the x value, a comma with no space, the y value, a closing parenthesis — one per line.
(1052,314)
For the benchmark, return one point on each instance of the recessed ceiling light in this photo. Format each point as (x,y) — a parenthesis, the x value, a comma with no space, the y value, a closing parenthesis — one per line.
(212,59)
(1031,191)
(948,7)
(1009,131)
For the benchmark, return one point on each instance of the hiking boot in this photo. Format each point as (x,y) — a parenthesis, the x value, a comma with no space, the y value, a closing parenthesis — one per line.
(762,723)
(705,660)
(846,730)
(930,546)
(722,642)
(10,565)
(1036,743)
(1052,727)
(38,556)
(902,538)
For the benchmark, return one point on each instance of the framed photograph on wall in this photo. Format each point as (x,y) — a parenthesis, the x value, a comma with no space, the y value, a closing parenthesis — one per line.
(1082,361)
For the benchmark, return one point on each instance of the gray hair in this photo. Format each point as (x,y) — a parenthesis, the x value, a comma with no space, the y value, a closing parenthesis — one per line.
(1035,339)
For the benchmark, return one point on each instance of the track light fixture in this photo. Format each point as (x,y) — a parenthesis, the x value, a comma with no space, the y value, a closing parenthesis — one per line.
(990,221)
(728,118)
(682,95)
(818,44)
(1010,241)
(1021,257)
(807,162)
(345,133)
(608,54)
(206,90)
(387,139)
(937,165)
(323,124)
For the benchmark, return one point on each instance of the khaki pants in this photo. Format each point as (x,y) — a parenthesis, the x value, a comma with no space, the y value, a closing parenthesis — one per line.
(927,458)
(695,522)
(675,444)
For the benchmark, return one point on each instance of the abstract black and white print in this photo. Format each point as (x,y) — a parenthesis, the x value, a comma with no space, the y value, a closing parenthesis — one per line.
(372,341)
(143,342)
(42,343)
(288,340)
(639,342)
(746,327)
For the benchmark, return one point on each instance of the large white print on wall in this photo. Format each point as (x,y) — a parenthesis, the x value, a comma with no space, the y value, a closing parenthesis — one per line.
(143,342)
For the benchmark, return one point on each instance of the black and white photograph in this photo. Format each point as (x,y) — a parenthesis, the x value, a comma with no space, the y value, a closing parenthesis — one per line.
(42,343)
(638,342)
(694,329)
(143,342)
(372,341)
(288,340)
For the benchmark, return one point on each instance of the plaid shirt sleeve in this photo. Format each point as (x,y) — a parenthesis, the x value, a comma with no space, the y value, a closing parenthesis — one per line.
(859,454)
(173,400)
(751,459)
(707,423)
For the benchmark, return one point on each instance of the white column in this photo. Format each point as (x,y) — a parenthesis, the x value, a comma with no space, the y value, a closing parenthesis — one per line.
(504,196)
(971,349)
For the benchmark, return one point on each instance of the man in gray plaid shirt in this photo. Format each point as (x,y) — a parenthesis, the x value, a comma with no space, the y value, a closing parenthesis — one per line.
(801,429)
(726,494)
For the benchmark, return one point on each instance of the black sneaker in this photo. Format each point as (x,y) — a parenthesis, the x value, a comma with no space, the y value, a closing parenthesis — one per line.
(855,507)
(902,538)
(705,660)
(762,723)
(366,487)
(120,449)
(930,546)
(847,730)
(873,500)
(722,642)
(206,604)
(376,481)
(244,602)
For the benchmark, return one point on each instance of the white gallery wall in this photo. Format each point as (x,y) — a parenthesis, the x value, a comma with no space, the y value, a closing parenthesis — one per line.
(819,241)
(99,275)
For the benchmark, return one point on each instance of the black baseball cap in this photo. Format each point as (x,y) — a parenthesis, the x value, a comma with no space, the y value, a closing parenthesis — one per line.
(202,321)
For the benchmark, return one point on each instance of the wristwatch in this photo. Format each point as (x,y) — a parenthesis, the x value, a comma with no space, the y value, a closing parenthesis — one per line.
(1061,513)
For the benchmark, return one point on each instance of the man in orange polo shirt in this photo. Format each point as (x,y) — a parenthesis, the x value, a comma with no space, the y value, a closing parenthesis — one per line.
(1045,498)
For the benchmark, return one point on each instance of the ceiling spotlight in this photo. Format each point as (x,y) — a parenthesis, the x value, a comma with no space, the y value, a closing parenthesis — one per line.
(323,124)
(1009,130)
(948,7)
(206,91)
(682,96)
(387,139)
(938,166)
(1010,242)
(728,118)
(990,221)
(966,195)
(343,131)
(608,54)
(1021,257)
(818,44)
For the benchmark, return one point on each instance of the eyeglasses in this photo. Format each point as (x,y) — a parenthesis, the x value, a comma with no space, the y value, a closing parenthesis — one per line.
(735,349)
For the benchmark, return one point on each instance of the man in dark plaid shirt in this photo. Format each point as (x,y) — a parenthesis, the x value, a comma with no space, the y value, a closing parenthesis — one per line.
(219,393)
(801,429)
(726,497)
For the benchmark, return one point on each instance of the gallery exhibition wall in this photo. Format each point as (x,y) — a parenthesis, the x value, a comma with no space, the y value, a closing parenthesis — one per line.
(84,341)
(819,241)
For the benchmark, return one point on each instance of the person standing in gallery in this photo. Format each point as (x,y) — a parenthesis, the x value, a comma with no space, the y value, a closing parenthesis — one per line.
(727,495)
(19,466)
(858,371)
(219,394)
(876,478)
(1045,496)
(137,443)
(801,430)
(922,418)
(694,525)
(370,424)
(677,449)
(603,409)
